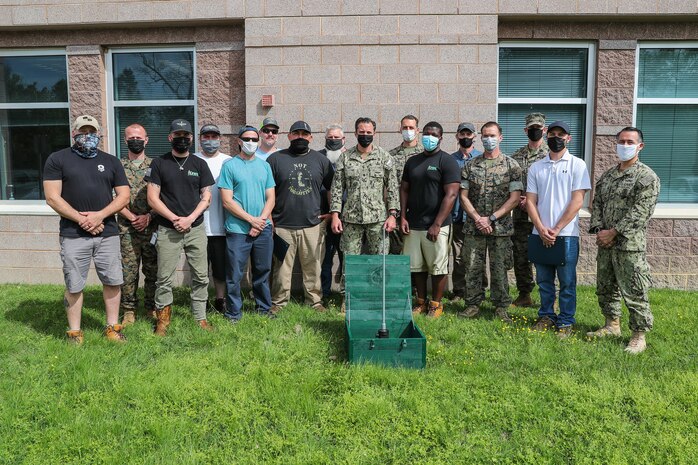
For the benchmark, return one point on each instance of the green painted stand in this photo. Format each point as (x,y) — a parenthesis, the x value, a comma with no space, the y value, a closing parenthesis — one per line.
(406,345)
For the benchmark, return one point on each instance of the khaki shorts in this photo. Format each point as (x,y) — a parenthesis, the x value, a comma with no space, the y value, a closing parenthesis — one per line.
(78,252)
(425,255)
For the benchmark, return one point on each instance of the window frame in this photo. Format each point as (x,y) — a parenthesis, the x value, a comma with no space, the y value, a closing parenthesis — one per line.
(664,209)
(112,104)
(34,207)
(588,101)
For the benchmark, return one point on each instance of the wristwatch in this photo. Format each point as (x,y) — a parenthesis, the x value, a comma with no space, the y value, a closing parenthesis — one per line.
(394,214)
(493,218)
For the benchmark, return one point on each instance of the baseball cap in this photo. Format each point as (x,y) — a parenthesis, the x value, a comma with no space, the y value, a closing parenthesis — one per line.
(85,120)
(269,121)
(469,126)
(180,125)
(559,124)
(300,126)
(244,129)
(210,128)
(535,118)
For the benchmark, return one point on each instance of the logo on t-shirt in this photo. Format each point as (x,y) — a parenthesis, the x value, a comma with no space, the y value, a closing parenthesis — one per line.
(432,168)
(100,168)
(300,179)
(192,173)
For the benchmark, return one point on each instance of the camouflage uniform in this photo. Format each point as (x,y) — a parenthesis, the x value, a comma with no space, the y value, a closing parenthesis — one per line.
(366,182)
(400,154)
(625,200)
(523,269)
(489,183)
(135,246)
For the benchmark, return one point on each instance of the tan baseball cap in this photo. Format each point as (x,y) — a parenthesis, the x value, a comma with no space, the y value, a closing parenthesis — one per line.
(85,120)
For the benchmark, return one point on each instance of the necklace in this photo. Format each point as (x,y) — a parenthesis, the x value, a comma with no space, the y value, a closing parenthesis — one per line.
(181,166)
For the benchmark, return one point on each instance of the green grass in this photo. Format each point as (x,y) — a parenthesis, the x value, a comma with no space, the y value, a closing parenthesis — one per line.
(281,391)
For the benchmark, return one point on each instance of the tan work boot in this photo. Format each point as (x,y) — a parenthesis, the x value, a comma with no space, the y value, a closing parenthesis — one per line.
(612,328)
(523,300)
(75,337)
(129,318)
(205,325)
(113,333)
(637,343)
(564,332)
(502,314)
(436,309)
(470,312)
(419,307)
(163,320)
(543,324)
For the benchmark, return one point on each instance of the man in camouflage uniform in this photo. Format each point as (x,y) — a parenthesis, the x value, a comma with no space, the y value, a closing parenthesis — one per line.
(411,145)
(135,229)
(366,173)
(490,188)
(624,201)
(535,150)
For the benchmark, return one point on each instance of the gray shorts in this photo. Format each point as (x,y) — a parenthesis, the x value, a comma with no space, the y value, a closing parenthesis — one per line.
(78,252)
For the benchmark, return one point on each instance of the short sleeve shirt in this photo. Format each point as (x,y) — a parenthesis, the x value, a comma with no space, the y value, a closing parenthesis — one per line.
(213,216)
(249,181)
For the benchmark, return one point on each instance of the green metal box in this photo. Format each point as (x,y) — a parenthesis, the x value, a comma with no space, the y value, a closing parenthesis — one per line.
(406,345)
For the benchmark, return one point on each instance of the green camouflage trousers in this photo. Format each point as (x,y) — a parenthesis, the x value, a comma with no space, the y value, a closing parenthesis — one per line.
(136,249)
(627,275)
(523,269)
(475,251)
(352,239)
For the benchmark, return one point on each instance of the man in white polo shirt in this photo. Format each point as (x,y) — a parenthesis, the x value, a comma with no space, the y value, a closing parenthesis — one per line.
(555,192)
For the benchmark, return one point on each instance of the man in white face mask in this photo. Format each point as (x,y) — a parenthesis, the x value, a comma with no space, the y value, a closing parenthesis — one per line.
(624,200)
(246,187)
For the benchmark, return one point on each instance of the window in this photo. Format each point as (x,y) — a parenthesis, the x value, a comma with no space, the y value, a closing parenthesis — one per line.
(151,87)
(546,78)
(34,119)
(667,114)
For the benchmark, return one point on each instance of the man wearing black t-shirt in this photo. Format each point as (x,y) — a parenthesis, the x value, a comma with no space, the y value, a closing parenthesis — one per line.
(179,191)
(429,187)
(78,182)
(300,174)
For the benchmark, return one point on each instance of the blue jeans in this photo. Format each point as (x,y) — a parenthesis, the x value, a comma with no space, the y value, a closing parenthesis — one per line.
(240,248)
(331,248)
(567,276)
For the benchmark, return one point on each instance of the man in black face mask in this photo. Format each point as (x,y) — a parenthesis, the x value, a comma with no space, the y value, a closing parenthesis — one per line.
(300,174)
(535,150)
(136,228)
(179,191)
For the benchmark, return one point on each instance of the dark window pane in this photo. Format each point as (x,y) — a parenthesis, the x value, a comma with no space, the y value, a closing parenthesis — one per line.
(33,79)
(28,138)
(155,120)
(153,76)
(668,73)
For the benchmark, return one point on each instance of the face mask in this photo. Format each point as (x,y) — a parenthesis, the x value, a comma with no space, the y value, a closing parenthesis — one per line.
(210,145)
(430,143)
(408,135)
(86,145)
(364,140)
(299,146)
(626,152)
(490,143)
(535,134)
(181,144)
(333,144)
(556,144)
(465,142)
(135,145)
(249,147)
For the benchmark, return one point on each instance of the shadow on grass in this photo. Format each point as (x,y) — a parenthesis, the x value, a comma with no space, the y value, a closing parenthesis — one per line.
(334,332)
(48,316)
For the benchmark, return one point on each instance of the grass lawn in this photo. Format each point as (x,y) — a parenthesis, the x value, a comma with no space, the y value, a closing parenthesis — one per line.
(281,391)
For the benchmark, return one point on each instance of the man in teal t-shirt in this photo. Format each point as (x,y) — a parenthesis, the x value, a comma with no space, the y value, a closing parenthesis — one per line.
(247,192)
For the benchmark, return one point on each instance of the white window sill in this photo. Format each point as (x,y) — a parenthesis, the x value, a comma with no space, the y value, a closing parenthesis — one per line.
(25,207)
(663,212)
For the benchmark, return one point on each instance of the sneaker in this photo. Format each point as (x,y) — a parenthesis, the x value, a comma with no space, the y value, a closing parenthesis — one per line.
(564,332)
(129,318)
(436,309)
(75,337)
(113,333)
(470,312)
(543,324)
(319,308)
(502,314)
(205,325)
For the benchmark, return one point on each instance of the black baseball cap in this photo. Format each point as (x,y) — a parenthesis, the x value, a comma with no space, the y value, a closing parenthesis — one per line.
(559,124)
(181,125)
(210,128)
(244,129)
(469,126)
(269,121)
(300,126)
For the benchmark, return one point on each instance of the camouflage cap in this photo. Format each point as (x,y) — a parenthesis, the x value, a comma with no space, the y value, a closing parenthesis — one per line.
(535,118)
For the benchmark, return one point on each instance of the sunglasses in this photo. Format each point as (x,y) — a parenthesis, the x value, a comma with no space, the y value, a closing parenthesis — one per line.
(249,139)
(270,131)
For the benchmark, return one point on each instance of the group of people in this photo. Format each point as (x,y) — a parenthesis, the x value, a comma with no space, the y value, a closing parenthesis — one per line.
(249,216)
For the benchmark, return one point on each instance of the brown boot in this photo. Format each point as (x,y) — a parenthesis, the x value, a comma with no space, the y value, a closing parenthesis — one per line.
(205,325)
(436,309)
(543,324)
(502,314)
(75,337)
(523,300)
(113,333)
(471,311)
(419,307)
(637,343)
(163,320)
(612,328)
(129,318)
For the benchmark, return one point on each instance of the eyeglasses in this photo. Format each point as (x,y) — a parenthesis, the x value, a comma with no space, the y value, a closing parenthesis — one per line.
(270,131)
(249,139)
